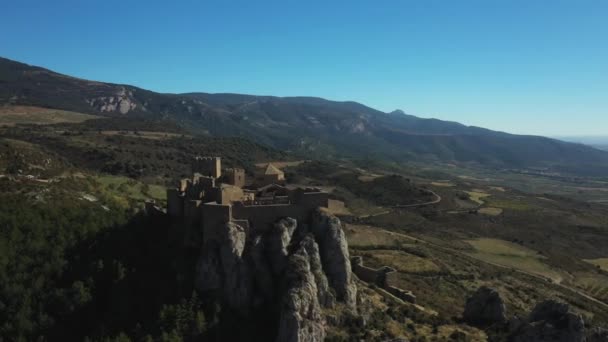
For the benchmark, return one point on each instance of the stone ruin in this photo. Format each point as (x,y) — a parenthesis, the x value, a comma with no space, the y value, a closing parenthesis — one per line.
(210,199)
(383,277)
(265,248)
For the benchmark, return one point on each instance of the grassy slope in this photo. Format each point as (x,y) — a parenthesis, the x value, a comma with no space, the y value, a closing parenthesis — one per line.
(14,115)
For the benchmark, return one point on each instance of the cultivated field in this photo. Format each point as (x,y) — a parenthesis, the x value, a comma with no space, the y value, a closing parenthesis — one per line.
(512,255)
(14,115)
(601,262)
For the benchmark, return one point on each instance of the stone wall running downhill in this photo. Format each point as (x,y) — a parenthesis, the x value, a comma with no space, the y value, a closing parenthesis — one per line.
(383,277)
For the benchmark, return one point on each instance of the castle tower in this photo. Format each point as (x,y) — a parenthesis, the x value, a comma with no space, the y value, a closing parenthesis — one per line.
(208,166)
(235,176)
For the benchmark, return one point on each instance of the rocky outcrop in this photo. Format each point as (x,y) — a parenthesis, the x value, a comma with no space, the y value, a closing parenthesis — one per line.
(292,270)
(222,267)
(300,314)
(551,321)
(485,307)
(277,241)
(333,247)
(122,101)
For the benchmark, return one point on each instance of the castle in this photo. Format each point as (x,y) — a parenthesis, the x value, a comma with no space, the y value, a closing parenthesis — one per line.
(215,196)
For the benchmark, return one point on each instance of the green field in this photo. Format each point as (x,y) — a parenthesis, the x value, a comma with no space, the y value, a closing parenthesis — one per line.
(512,204)
(14,115)
(601,262)
(128,189)
(402,261)
(366,236)
(512,255)
(490,211)
(477,196)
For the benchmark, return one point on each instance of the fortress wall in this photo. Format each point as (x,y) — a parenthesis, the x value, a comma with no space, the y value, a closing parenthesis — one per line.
(208,166)
(407,296)
(391,278)
(235,176)
(214,217)
(313,200)
(367,274)
(192,223)
(385,277)
(175,203)
(192,212)
(262,217)
(229,194)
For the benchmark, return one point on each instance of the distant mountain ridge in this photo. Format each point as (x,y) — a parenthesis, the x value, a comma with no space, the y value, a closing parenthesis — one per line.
(305,124)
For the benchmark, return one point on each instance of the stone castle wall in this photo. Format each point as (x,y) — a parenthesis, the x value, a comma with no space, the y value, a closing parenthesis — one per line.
(214,216)
(384,277)
(175,203)
(208,166)
(235,176)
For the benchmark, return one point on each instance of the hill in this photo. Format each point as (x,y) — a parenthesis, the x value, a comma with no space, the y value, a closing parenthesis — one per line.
(314,126)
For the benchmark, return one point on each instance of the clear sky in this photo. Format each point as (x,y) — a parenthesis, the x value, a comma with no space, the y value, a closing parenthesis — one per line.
(522,66)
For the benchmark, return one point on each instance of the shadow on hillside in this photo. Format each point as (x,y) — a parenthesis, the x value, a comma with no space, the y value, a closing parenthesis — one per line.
(128,273)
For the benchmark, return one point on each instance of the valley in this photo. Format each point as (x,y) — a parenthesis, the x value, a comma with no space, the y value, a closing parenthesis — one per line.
(434,202)
(445,236)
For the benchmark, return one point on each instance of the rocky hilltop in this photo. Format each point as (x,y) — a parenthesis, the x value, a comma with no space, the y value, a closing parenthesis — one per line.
(293,272)
(549,320)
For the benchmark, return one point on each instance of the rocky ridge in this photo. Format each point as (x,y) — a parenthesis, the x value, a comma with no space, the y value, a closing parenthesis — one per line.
(293,271)
(550,320)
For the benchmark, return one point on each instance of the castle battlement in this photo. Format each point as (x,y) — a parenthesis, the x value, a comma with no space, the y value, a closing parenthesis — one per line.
(208,200)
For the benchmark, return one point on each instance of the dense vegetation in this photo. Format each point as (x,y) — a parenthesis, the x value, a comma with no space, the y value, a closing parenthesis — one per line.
(386,190)
(133,149)
(74,269)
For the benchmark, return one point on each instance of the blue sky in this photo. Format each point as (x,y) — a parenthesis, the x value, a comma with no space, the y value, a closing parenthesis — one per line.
(522,66)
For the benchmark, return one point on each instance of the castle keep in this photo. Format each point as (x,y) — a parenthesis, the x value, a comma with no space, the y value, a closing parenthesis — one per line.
(209,199)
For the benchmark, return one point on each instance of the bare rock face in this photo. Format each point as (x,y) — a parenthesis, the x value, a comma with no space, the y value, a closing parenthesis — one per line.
(551,321)
(333,248)
(300,313)
(122,101)
(264,277)
(290,271)
(485,307)
(324,295)
(223,268)
(277,241)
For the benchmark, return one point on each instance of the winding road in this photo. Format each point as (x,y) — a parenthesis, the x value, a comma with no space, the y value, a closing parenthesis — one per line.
(403,206)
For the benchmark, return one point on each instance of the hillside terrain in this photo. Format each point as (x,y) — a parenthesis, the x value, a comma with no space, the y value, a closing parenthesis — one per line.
(313,126)
(444,208)
(71,199)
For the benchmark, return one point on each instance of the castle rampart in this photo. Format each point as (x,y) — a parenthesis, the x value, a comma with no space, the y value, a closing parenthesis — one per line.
(208,166)
(384,277)
(206,204)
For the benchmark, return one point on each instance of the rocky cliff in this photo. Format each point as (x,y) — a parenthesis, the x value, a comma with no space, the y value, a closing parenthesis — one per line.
(293,272)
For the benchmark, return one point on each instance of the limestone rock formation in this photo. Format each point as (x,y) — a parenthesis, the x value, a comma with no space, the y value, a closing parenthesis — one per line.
(300,314)
(223,268)
(485,307)
(277,241)
(291,270)
(333,247)
(551,321)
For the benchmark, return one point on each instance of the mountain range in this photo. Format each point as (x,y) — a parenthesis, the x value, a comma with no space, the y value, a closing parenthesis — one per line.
(309,125)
